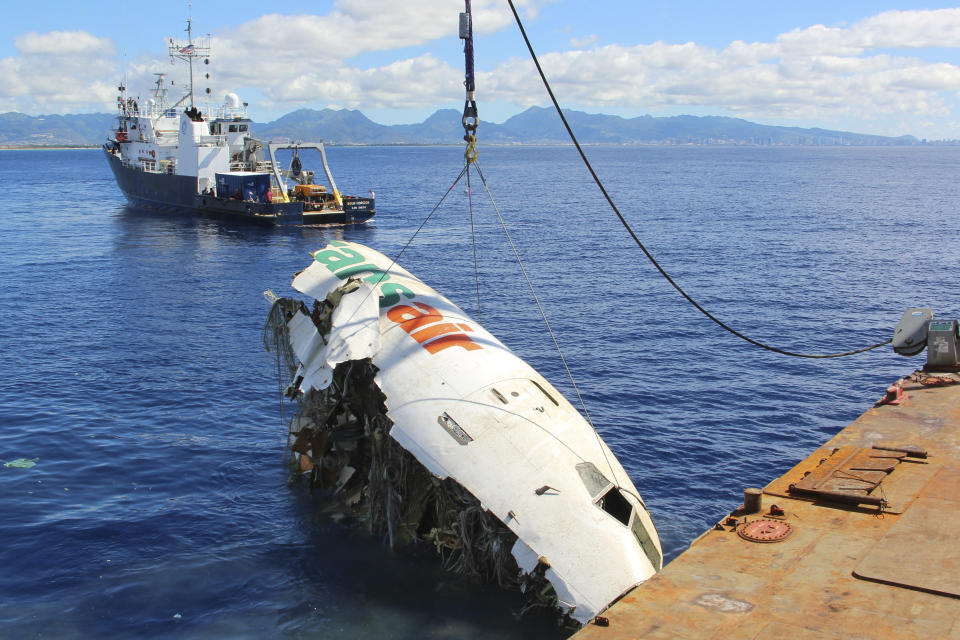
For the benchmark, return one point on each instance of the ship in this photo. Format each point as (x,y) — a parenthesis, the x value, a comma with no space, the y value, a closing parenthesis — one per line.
(178,157)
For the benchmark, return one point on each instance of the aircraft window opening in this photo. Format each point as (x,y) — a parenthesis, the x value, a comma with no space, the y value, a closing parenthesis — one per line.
(616,505)
(595,482)
(604,493)
(643,537)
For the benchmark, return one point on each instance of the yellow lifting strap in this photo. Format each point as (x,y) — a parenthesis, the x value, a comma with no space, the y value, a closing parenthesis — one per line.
(470,154)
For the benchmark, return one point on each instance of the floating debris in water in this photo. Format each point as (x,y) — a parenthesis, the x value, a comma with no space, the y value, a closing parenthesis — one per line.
(418,422)
(21,463)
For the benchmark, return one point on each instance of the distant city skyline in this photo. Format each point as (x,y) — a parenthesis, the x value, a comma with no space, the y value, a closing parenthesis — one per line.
(886,68)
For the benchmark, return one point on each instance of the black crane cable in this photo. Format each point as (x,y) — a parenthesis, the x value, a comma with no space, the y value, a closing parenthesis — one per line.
(633,235)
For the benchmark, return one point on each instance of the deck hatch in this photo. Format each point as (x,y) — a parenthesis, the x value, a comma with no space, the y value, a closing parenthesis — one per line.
(849,475)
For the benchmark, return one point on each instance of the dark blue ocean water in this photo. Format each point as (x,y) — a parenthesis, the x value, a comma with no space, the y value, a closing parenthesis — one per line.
(133,369)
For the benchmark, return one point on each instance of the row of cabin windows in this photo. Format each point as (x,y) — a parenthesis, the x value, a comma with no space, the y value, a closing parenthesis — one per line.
(216,128)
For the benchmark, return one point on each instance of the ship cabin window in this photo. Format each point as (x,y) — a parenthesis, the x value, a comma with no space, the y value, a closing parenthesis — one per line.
(233,128)
(243,127)
(214,128)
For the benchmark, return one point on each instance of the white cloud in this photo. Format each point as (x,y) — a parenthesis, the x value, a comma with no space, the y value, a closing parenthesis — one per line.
(830,73)
(354,27)
(910,29)
(582,43)
(62,43)
(816,72)
(416,82)
(58,72)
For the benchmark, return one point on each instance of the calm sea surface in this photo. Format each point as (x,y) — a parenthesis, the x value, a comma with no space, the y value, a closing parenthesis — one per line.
(133,369)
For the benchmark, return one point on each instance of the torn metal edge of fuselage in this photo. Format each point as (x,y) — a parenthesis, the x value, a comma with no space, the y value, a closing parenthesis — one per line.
(467,408)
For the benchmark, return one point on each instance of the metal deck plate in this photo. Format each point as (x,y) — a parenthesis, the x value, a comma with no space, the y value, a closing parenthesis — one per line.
(920,550)
(900,487)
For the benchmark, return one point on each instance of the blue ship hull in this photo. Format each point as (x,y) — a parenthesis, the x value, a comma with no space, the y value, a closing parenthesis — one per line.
(176,193)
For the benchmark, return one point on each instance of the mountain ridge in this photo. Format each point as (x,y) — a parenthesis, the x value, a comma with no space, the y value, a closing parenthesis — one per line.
(535,125)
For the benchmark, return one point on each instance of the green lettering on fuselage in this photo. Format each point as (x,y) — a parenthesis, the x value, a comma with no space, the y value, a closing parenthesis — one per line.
(333,259)
(346,263)
(391,294)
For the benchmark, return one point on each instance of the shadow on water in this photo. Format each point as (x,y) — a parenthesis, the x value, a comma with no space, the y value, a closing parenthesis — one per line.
(236,229)
(382,593)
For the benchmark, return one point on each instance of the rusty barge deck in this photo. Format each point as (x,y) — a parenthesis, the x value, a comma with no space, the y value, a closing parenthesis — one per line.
(867,544)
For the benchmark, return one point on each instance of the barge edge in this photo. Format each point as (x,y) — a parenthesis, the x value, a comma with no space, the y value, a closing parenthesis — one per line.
(843,559)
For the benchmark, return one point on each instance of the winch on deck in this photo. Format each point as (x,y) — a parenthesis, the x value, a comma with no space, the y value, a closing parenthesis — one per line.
(918,329)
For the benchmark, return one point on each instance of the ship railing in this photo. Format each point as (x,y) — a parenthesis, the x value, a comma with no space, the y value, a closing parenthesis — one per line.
(217,141)
(261,167)
(228,113)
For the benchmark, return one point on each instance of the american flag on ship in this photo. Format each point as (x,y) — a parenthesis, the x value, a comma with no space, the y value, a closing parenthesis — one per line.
(187,49)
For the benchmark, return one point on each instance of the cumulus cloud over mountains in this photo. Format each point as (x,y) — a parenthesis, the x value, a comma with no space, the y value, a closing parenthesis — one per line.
(854,71)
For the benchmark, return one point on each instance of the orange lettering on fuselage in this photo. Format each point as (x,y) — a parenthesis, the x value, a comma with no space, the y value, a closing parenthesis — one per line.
(452,340)
(426,325)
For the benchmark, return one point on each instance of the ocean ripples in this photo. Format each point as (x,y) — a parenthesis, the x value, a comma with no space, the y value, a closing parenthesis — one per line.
(135,376)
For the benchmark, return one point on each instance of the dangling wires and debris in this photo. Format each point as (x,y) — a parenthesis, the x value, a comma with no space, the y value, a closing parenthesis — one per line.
(339,443)
(415,421)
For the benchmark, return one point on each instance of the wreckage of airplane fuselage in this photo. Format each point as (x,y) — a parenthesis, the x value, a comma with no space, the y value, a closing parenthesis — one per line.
(421,422)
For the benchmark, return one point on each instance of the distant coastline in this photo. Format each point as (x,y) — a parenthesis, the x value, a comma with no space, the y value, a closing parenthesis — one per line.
(535,126)
(935,143)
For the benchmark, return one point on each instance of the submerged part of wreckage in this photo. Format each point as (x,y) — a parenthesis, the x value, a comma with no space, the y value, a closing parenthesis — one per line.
(421,422)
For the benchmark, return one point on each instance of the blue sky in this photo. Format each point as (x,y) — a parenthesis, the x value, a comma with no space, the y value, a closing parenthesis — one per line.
(890,68)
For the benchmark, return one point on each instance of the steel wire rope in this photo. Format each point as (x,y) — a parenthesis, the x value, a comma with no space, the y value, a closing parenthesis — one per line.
(425,220)
(643,248)
(465,171)
(394,261)
(546,322)
(473,235)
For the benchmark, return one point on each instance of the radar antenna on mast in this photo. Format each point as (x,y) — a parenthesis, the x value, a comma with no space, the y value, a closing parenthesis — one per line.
(188,51)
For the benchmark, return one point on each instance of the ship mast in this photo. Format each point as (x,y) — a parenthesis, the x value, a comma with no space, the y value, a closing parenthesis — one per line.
(190,58)
(188,51)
